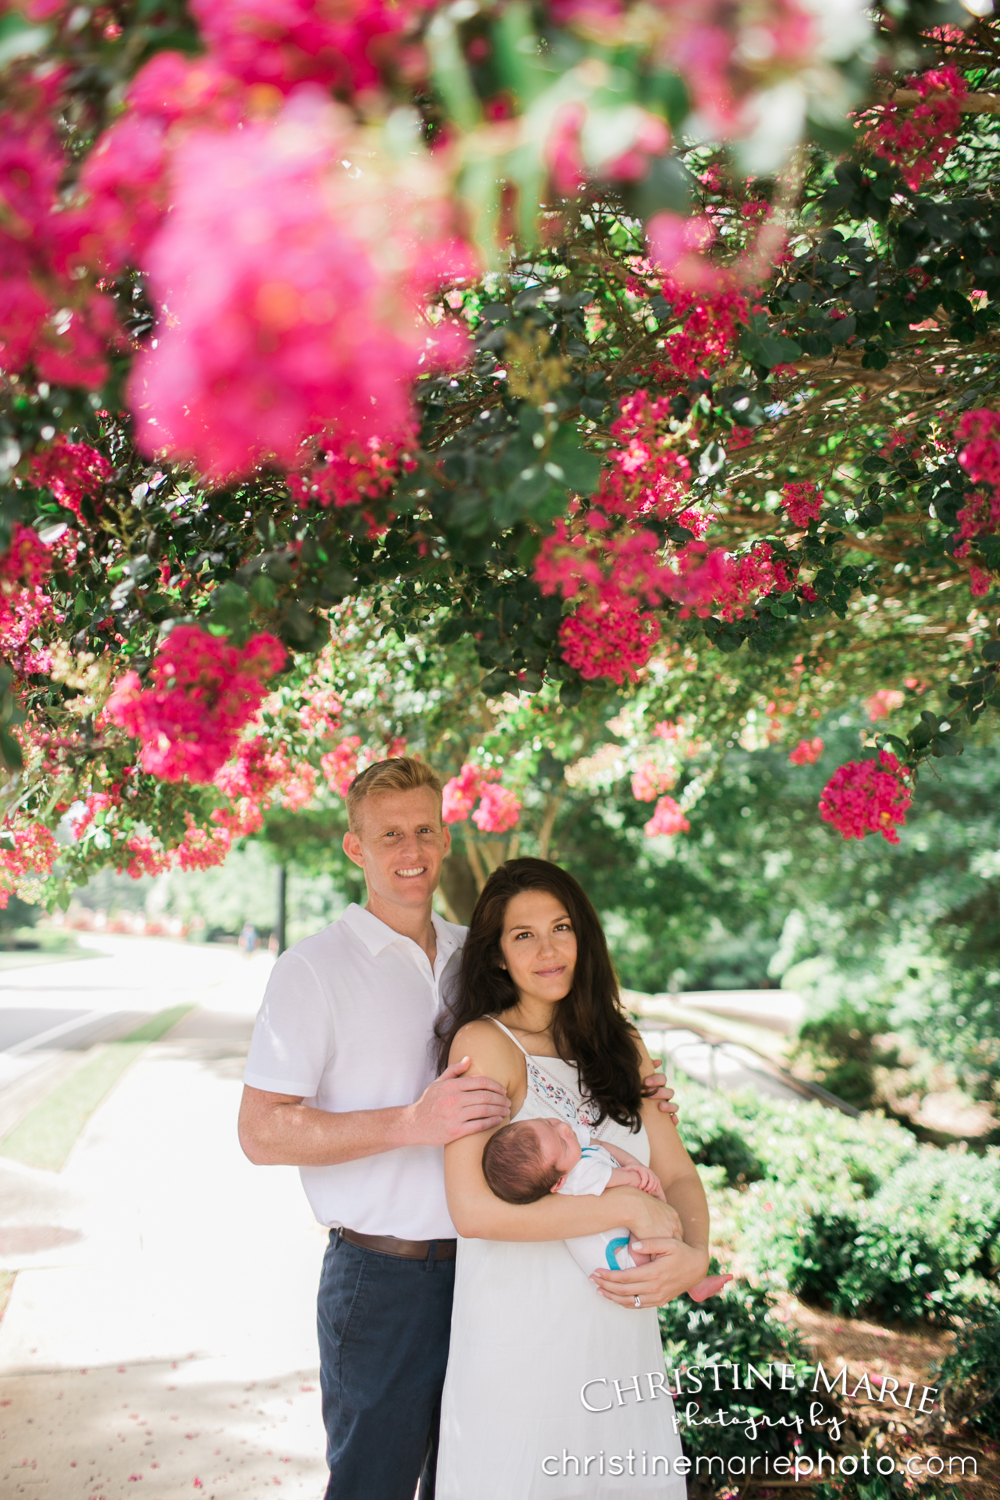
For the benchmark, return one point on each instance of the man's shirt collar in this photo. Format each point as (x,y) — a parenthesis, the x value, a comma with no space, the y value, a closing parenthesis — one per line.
(377,935)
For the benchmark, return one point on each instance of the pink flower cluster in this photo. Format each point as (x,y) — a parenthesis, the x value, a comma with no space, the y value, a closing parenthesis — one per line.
(711,321)
(806,752)
(667,819)
(802,502)
(611,638)
(867,796)
(355,474)
(24,604)
(48,317)
(71,471)
(26,850)
(918,140)
(979,434)
(281,43)
(498,811)
(883,703)
(340,765)
(202,692)
(650,780)
(499,808)
(294,263)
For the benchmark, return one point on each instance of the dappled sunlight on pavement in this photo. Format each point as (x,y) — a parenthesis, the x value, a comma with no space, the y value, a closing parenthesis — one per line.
(162,1321)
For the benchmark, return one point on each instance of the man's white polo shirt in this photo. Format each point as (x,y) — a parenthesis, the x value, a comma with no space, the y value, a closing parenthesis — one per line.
(347,1023)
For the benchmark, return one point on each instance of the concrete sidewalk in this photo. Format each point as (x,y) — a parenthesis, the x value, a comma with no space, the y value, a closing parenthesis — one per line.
(160,1339)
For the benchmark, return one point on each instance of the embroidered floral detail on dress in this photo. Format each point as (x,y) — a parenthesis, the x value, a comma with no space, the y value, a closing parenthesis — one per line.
(582,1112)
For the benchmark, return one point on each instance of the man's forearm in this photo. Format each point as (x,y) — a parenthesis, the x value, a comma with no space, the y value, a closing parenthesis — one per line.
(299,1135)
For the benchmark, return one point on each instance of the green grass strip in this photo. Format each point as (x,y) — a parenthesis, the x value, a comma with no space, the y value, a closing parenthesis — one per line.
(48,1132)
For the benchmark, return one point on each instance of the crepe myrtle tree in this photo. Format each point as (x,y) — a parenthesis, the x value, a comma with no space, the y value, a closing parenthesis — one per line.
(618,359)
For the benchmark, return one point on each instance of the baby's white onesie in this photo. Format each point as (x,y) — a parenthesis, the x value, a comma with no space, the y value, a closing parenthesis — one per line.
(589,1178)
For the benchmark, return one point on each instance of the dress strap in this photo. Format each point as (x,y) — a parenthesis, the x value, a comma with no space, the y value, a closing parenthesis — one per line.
(508,1033)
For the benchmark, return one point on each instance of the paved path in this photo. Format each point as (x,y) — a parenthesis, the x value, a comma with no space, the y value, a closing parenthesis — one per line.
(159,1340)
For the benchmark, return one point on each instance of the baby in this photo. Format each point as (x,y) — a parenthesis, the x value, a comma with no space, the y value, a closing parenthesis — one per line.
(525,1161)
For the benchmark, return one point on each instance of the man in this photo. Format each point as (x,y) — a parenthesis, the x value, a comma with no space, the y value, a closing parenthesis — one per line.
(340,1083)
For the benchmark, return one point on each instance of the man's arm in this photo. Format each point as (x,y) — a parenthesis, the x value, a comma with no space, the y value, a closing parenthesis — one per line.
(280,1130)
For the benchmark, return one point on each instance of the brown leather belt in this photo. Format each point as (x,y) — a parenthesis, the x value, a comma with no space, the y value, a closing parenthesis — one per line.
(387,1244)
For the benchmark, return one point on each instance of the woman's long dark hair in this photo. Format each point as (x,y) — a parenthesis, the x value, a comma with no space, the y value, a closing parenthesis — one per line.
(590,1027)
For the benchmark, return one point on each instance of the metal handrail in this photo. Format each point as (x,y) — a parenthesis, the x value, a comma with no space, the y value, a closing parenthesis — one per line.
(801,1085)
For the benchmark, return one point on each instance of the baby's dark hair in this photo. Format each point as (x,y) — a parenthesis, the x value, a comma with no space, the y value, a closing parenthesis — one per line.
(512,1165)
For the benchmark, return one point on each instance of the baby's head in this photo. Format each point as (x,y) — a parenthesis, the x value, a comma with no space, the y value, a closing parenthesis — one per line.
(524,1162)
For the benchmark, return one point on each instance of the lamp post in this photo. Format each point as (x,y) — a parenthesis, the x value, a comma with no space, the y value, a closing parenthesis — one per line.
(282,904)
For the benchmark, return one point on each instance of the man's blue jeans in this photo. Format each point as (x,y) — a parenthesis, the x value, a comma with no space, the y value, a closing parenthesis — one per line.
(384,1324)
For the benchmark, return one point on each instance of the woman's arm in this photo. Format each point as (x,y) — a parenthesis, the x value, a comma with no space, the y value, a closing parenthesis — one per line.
(479,1214)
(677,1264)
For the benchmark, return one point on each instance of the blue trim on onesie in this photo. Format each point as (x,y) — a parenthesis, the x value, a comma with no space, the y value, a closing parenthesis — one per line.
(611,1252)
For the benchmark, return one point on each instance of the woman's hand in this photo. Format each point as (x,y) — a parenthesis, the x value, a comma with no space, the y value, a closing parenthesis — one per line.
(675,1267)
(648,1218)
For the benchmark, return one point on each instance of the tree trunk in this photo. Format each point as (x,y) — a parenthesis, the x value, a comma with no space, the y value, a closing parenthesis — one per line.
(458,887)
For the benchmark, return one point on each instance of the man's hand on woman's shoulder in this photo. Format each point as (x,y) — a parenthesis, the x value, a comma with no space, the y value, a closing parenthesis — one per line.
(655,1087)
(456,1104)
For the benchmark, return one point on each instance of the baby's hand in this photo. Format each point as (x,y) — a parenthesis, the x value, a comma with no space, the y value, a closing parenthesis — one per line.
(638,1177)
(709,1286)
(648,1181)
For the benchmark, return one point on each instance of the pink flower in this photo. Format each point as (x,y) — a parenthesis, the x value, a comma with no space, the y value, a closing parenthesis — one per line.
(806,752)
(202,692)
(71,471)
(461,791)
(293,263)
(883,703)
(498,811)
(340,765)
(353,474)
(26,849)
(918,140)
(283,42)
(667,819)
(667,730)
(321,713)
(803,503)
(253,772)
(48,316)
(298,787)
(613,638)
(676,246)
(24,604)
(202,848)
(979,430)
(867,796)
(650,780)
(980,582)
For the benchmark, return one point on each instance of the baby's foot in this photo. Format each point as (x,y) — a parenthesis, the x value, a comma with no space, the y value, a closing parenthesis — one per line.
(707,1287)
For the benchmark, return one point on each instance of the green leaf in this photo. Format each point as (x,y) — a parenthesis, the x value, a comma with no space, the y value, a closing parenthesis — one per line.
(582,469)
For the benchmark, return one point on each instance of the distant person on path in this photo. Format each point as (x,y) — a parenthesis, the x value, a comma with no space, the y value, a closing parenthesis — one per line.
(248,939)
(340,1082)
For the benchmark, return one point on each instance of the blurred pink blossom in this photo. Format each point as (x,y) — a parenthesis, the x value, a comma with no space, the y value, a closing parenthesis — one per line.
(667,819)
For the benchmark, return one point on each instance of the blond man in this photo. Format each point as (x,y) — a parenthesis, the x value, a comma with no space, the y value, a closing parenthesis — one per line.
(340,1083)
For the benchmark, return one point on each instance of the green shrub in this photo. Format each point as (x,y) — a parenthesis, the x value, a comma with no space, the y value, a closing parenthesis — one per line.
(919,1248)
(738,1328)
(970,1374)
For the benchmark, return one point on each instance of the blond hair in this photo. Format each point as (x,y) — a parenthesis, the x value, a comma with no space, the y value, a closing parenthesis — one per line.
(403,773)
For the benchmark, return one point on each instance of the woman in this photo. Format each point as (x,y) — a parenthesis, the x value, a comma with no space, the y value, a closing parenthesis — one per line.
(531,1409)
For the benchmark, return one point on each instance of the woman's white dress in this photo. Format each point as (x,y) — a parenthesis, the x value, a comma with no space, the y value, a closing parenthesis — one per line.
(532,1341)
